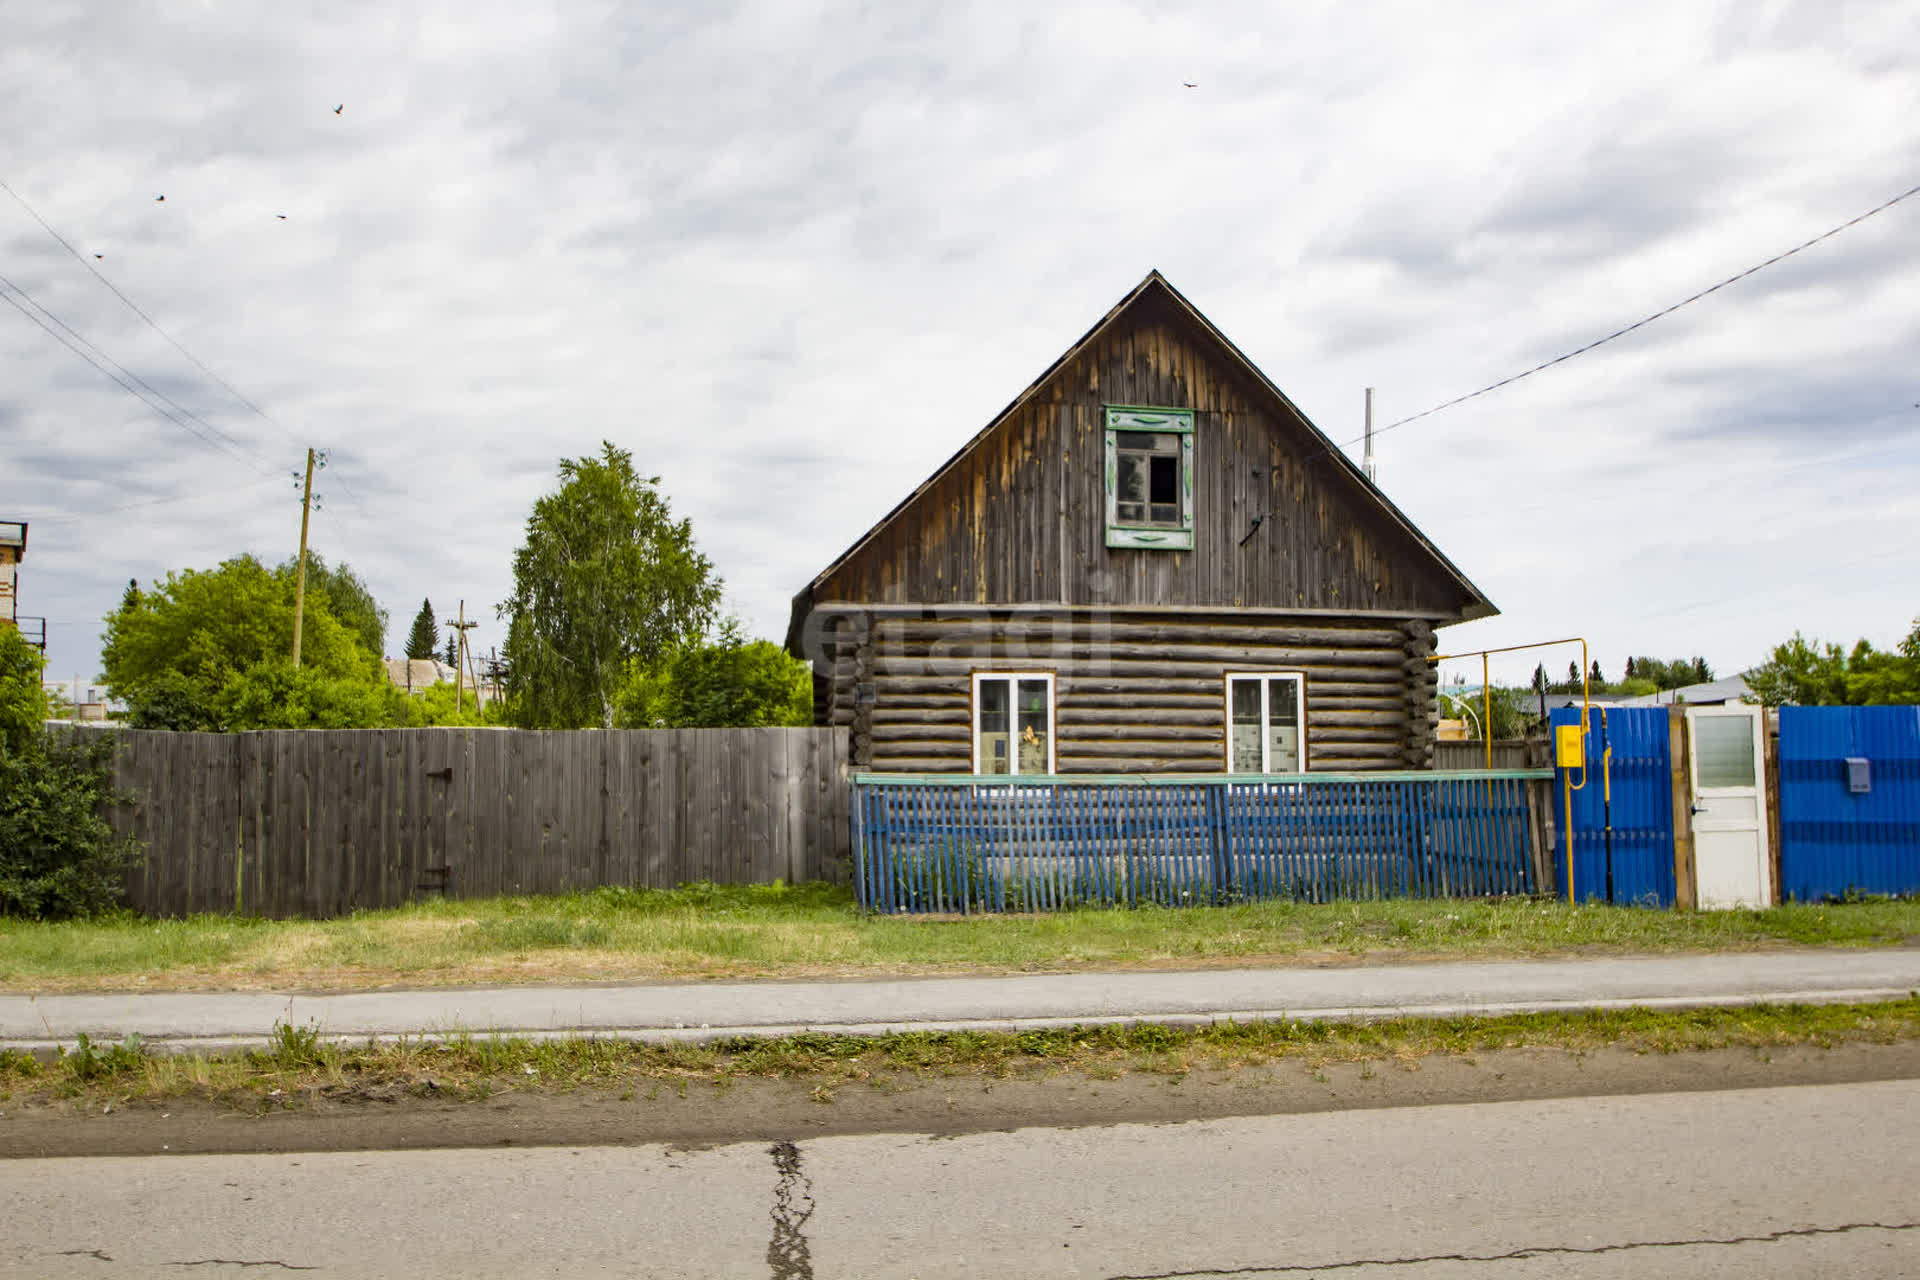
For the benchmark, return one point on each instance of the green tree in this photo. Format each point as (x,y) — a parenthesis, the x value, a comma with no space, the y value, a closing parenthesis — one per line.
(434,706)
(23,699)
(1511,711)
(424,638)
(347,598)
(278,695)
(1809,673)
(173,654)
(1674,674)
(731,682)
(606,579)
(58,855)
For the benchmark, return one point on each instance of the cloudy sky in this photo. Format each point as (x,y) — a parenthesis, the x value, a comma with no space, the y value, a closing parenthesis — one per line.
(754,242)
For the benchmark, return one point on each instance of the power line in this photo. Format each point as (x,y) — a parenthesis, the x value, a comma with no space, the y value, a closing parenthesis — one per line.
(151,322)
(131,382)
(1638,324)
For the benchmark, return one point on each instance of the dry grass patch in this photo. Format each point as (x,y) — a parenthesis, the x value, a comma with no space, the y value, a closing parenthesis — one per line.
(299,1067)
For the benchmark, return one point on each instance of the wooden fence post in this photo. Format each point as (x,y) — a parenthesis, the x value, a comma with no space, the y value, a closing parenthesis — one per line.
(1770,796)
(1679,748)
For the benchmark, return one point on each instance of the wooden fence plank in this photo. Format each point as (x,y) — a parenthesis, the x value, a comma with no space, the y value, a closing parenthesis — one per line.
(317,823)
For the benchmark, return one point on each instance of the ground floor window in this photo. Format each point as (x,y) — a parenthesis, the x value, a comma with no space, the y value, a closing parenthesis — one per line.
(1013,722)
(1266,723)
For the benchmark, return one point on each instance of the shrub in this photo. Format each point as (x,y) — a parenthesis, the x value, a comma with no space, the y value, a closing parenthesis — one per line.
(59,858)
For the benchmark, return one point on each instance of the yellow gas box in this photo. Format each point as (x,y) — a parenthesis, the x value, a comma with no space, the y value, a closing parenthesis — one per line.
(1568,750)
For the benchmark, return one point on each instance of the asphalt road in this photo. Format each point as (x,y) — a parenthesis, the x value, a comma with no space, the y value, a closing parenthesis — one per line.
(1810,1180)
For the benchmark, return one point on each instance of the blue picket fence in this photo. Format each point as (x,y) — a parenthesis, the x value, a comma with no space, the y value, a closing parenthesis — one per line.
(1623,849)
(1835,841)
(964,844)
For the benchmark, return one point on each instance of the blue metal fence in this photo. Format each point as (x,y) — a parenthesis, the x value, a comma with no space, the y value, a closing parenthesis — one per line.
(1835,840)
(955,843)
(1623,850)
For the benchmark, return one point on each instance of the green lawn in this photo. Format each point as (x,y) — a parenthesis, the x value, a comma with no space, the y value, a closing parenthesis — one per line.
(706,931)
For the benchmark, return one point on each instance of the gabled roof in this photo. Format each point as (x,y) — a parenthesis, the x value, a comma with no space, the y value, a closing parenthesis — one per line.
(1156,284)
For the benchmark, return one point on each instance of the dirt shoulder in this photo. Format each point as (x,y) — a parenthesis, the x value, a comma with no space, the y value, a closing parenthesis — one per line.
(704,1114)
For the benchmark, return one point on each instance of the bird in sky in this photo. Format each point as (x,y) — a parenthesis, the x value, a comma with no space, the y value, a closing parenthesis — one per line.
(281,216)
(159,199)
(102,255)
(342,107)
(1189,84)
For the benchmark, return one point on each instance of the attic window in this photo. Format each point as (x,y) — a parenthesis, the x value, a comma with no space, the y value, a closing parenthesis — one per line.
(1150,478)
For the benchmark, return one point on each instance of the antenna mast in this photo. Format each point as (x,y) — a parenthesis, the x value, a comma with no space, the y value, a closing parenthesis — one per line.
(1366,462)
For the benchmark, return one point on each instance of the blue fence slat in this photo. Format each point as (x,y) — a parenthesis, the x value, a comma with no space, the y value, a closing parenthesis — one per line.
(968,845)
(1834,842)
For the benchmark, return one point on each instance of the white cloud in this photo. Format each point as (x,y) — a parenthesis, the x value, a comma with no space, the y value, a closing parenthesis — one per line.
(794,258)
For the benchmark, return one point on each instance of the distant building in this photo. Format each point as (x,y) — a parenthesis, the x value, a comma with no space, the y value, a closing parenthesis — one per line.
(417,675)
(13,549)
(78,700)
(1711,694)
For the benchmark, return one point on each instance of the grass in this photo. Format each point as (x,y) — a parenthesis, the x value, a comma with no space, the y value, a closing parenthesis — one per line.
(298,1068)
(813,930)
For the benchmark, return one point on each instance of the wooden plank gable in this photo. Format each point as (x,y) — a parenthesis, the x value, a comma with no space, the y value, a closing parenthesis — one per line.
(1283,521)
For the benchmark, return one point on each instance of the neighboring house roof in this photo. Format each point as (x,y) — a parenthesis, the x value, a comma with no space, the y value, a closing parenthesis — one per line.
(1713,692)
(1156,286)
(417,673)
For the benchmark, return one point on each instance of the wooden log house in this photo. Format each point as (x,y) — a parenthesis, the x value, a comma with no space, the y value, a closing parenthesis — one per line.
(1149,562)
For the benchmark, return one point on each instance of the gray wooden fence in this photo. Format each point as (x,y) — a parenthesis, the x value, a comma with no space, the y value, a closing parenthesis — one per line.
(1508,753)
(318,823)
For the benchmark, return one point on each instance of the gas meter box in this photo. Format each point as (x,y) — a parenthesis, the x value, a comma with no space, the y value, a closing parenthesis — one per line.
(1568,750)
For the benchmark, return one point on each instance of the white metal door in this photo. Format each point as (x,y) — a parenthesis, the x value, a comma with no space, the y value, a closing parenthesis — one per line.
(1728,774)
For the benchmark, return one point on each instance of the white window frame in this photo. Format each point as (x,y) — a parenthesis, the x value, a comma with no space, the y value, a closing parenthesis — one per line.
(1265,678)
(1161,537)
(1013,679)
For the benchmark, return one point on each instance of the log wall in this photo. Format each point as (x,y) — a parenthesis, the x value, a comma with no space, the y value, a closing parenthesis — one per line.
(1134,692)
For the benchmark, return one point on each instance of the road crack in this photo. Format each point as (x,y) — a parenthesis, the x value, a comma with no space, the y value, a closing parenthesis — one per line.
(101,1254)
(242,1262)
(789,1257)
(1531,1251)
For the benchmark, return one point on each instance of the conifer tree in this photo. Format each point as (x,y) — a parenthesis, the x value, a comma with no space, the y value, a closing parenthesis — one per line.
(424,638)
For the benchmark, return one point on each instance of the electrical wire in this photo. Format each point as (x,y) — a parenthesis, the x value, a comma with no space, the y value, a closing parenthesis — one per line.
(153,324)
(131,382)
(1642,323)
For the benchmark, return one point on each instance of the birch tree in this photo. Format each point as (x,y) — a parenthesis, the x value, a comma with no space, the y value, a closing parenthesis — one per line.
(606,580)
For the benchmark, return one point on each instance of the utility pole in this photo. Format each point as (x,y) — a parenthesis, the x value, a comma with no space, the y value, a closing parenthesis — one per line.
(461,627)
(300,573)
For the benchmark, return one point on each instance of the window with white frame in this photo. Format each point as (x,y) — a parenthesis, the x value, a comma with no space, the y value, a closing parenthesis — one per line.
(1013,722)
(1149,478)
(1266,723)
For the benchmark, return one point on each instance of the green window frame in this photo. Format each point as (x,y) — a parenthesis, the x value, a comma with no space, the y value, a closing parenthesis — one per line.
(1149,477)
